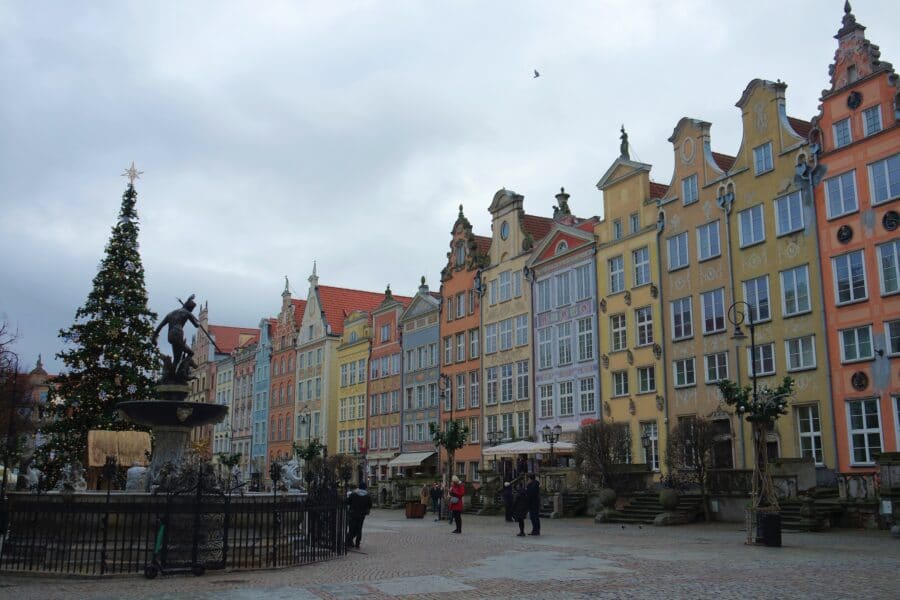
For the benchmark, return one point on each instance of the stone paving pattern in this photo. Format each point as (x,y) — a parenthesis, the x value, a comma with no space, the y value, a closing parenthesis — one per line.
(573,558)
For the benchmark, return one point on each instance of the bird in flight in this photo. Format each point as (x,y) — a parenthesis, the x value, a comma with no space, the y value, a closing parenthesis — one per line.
(536,74)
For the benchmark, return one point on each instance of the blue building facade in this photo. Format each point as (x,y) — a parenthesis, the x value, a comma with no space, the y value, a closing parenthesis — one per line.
(261,379)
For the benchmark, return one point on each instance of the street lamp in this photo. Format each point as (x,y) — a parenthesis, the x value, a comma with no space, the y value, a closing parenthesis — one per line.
(494,437)
(739,313)
(445,386)
(551,436)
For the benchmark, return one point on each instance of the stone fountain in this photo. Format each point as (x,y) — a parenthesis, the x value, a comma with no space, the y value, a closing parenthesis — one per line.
(170,417)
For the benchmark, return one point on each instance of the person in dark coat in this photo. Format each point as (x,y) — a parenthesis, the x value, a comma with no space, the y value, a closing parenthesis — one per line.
(437,492)
(533,492)
(359,503)
(507,494)
(520,509)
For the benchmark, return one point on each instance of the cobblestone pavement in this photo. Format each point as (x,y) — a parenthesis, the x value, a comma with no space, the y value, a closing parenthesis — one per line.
(573,558)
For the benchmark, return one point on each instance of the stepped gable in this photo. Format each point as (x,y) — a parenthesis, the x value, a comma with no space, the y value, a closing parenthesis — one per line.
(230,338)
(337,303)
(723,161)
(658,190)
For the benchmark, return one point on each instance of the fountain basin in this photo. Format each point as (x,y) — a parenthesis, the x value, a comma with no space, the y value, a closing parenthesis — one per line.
(172,413)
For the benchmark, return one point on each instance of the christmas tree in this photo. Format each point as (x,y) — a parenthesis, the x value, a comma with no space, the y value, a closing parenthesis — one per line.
(110,354)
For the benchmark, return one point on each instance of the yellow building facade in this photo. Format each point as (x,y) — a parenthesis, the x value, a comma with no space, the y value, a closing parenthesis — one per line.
(352,357)
(632,376)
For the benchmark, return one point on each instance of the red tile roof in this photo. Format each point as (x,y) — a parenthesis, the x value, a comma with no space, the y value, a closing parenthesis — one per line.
(482,244)
(338,303)
(723,160)
(229,338)
(658,190)
(538,227)
(800,126)
(299,309)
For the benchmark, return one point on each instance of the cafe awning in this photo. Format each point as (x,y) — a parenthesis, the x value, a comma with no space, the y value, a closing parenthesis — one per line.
(410,459)
(522,447)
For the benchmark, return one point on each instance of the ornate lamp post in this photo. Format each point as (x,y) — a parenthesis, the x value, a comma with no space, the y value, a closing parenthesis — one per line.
(444,385)
(739,313)
(494,437)
(551,436)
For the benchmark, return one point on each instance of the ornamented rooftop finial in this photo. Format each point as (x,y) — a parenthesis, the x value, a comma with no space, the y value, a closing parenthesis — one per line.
(848,23)
(460,211)
(387,293)
(623,147)
(40,363)
(287,287)
(847,8)
(422,281)
(562,198)
(132,173)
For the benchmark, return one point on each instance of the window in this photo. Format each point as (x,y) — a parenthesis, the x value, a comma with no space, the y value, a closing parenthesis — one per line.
(795,291)
(643,321)
(892,331)
(521,330)
(490,338)
(801,353)
(473,343)
(491,385)
(505,286)
(492,292)
(762,158)
(385,333)
(682,319)
(678,251)
(449,309)
(506,334)
(583,282)
(474,389)
(713,307)
(849,277)
(448,351)
(651,452)
(842,135)
(473,430)
(708,241)
(545,348)
(716,367)
(620,383)
(523,418)
(640,258)
(517,284)
(646,379)
(616,267)
(461,391)
(889,264)
(753,229)
(684,372)
(617,332)
(566,399)
(545,395)
(864,423)
(506,382)
(885,178)
(689,190)
(856,344)
(564,343)
(523,383)
(617,229)
(756,293)
(788,214)
(840,194)
(460,305)
(810,433)
(460,254)
(585,338)
(764,361)
(543,295)
(872,119)
(587,396)
(563,288)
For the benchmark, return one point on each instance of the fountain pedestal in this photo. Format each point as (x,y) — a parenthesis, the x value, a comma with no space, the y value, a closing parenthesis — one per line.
(171,420)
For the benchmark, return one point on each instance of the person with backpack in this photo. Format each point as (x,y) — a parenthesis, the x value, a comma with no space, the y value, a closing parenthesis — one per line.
(359,503)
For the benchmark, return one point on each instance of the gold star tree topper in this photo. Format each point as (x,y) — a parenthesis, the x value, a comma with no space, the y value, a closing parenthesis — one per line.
(132,173)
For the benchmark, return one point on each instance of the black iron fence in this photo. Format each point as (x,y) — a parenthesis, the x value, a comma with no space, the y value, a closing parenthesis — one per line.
(118,533)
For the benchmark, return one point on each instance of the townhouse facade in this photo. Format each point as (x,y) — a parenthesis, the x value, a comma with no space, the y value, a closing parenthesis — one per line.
(241,413)
(854,164)
(259,450)
(221,442)
(506,320)
(281,391)
(562,276)
(352,357)
(629,281)
(460,335)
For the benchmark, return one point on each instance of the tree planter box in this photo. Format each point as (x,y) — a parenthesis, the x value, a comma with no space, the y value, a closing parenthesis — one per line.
(415,510)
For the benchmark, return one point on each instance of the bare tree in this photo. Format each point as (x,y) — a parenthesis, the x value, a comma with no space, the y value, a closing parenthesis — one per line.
(690,452)
(600,446)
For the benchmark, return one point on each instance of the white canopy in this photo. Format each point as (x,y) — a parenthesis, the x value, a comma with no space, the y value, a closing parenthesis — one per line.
(410,459)
(526,448)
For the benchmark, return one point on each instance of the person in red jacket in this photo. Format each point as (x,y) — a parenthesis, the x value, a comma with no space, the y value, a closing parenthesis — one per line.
(457,491)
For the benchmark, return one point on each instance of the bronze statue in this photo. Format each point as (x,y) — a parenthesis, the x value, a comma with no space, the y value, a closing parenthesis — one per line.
(177,368)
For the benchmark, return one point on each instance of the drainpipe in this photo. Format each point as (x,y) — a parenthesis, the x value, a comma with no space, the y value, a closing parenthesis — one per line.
(660,226)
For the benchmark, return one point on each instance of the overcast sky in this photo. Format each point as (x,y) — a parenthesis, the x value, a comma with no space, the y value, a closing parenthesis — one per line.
(273,134)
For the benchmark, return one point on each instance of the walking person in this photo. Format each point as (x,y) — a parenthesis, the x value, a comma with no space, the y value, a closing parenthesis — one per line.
(507,494)
(424,495)
(436,493)
(359,503)
(457,491)
(533,493)
(520,509)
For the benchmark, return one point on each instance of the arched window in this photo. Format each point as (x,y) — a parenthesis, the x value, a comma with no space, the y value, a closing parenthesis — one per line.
(562,246)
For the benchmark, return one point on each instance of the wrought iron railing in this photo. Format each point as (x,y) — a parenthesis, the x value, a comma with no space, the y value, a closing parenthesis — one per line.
(106,534)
